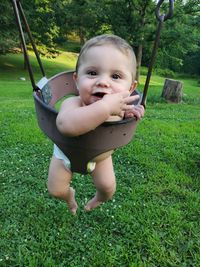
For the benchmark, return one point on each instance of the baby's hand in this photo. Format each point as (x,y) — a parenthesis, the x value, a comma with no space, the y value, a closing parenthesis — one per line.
(118,103)
(135,111)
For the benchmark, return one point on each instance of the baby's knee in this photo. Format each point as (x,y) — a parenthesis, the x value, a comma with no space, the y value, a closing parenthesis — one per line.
(109,190)
(56,191)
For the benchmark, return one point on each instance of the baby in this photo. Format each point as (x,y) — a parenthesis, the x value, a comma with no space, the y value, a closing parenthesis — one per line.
(105,78)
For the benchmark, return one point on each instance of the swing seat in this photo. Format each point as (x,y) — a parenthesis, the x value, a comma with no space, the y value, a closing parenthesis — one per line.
(80,149)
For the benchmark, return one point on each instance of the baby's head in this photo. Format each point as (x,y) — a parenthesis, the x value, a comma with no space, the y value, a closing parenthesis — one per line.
(106,65)
(108,39)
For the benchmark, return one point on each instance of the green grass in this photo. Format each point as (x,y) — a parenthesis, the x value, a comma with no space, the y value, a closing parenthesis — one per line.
(153,219)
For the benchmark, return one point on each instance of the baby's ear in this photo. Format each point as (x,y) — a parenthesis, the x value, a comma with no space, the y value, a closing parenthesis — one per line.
(133,86)
(75,76)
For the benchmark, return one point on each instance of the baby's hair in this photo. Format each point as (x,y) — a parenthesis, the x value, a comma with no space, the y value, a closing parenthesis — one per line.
(114,40)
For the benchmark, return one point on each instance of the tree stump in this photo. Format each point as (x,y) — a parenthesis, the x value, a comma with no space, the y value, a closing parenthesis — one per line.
(172,90)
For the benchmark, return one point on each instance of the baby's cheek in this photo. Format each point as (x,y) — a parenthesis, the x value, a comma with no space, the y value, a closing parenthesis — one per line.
(119,89)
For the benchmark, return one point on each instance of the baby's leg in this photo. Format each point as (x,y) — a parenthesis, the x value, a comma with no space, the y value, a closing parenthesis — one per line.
(104,180)
(59,183)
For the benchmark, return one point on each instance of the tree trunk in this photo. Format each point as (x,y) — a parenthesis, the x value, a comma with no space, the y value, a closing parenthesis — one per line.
(172,90)
(81,36)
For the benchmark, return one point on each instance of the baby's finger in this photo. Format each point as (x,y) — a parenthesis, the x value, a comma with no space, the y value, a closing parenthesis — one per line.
(137,114)
(130,99)
(140,109)
(128,107)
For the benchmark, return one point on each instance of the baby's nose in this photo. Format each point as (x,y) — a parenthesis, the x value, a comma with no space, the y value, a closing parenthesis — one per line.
(103,82)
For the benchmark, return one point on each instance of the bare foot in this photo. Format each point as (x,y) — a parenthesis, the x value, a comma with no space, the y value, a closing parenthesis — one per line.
(92,203)
(71,203)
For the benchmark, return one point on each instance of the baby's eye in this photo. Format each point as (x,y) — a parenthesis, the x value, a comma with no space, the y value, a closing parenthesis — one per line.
(116,76)
(92,73)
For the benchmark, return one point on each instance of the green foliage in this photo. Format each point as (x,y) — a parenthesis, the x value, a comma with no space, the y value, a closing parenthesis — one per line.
(8,32)
(85,18)
(180,40)
(53,22)
(191,63)
(153,219)
(70,46)
(130,19)
(41,18)
(165,73)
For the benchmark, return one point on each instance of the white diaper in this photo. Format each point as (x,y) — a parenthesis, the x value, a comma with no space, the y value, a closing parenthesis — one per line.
(60,155)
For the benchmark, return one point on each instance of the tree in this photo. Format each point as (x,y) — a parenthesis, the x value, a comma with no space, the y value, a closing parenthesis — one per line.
(41,19)
(84,17)
(9,37)
(180,38)
(192,58)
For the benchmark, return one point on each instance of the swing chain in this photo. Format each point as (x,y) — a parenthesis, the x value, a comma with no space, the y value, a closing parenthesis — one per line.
(20,17)
(161,19)
(164,17)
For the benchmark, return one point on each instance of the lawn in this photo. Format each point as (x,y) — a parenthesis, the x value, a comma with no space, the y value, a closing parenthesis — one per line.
(154,218)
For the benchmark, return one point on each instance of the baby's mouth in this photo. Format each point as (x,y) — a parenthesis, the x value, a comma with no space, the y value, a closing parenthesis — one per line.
(99,94)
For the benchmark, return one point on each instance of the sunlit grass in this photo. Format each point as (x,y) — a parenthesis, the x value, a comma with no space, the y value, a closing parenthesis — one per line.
(153,220)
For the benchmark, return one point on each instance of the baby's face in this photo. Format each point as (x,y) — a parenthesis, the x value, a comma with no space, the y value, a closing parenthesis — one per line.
(103,70)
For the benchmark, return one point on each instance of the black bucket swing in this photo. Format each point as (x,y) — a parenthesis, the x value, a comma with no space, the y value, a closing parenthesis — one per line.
(47,92)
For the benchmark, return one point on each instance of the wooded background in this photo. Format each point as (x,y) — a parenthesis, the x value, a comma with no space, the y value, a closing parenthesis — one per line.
(54,22)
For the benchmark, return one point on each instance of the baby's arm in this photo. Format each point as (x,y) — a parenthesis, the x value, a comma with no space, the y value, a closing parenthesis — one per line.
(74,119)
(135,111)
